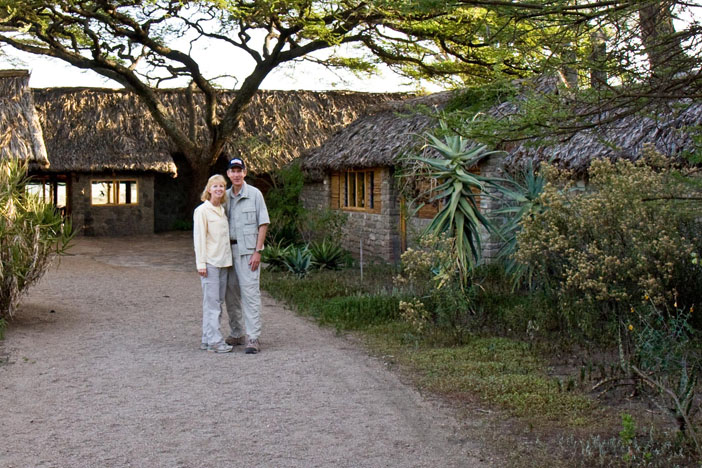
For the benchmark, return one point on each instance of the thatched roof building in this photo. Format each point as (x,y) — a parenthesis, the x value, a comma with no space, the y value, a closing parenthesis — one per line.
(671,131)
(20,131)
(89,129)
(389,130)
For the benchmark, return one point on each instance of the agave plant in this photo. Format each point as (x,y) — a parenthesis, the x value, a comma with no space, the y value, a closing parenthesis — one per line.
(458,191)
(274,256)
(298,261)
(523,198)
(327,254)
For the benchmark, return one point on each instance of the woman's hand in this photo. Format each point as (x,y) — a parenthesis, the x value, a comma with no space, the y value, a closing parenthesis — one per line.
(202,272)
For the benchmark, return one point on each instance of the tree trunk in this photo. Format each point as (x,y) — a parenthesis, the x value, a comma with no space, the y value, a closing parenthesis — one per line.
(665,54)
(200,170)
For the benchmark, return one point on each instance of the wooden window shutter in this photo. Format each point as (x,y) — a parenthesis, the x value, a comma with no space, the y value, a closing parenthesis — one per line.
(377,184)
(335,191)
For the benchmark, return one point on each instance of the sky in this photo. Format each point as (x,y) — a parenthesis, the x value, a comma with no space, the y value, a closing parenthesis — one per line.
(48,72)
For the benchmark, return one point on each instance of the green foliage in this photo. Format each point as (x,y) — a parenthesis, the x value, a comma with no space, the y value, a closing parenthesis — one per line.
(31,233)
(502,372)
(298,260)
(629,235)
(182,225)
(284,204)
(323,225)
(628,432)
(522,194)
(3,327)
(338,298)
(430,279)
(459,189)
(327,254)
(667,358)
(274,256)
(358,311)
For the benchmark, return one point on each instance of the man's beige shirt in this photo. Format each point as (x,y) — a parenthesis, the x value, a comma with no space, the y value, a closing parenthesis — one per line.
(211,236)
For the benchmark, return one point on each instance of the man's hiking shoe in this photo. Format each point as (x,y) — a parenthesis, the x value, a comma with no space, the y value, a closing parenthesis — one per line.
(235,341)
(203,346)
(220,347)
(252,346)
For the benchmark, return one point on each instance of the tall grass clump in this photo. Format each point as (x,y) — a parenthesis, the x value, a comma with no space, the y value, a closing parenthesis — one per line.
(31,234)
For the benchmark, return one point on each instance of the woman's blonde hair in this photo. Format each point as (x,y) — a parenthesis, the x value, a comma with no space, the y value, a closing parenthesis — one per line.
(210,182)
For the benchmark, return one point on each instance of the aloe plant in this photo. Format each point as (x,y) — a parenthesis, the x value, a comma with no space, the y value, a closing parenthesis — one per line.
(298,261)
(274,256)
(327,254)
(523,198)
(458,191)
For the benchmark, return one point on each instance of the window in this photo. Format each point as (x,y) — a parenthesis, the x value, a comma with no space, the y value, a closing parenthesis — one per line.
(49,191)
(113,192)
(356,190)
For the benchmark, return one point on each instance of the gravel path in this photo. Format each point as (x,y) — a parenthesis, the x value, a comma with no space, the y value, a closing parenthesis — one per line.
(101,367)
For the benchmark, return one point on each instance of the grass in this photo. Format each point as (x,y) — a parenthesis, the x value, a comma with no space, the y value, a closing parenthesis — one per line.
(513,374)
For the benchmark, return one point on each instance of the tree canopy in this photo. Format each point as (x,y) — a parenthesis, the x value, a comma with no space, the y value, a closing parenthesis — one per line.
(609,43)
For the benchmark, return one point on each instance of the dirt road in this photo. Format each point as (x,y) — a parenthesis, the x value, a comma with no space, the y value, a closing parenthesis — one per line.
(101,367)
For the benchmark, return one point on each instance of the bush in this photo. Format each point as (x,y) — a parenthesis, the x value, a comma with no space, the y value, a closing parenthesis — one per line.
(284,205)
(31,232)
(274,256)
(323,225)
(430,275)
(623,239)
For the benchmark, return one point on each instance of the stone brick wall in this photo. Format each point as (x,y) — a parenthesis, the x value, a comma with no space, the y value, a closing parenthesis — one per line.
(316,196)
(375,233)
(492,166)
(379,234)
(112,220)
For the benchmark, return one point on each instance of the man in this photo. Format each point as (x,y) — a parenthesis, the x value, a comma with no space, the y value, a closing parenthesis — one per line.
(248,224)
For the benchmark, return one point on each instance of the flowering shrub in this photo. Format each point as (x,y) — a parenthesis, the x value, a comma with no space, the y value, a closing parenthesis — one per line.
(430,275)
(629,234)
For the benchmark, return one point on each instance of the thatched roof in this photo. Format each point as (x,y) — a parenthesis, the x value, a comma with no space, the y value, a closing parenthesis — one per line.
(379,138)
(623,138)
(20,132)
(88,129)
(388,131)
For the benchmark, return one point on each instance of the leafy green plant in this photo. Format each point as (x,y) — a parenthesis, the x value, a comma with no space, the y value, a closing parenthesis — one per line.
(298,261)
(31,234)
(327,254)
(628,432)
(458,190)
(522,194)
(284,205)
(274,256)
(667,358)
(325,224)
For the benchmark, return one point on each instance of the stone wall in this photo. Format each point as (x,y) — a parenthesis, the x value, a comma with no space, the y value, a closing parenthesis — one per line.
(492,166)
(376,234)
(379,234)
(112,220)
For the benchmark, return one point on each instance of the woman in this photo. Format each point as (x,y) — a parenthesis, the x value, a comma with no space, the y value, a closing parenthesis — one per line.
(213,257)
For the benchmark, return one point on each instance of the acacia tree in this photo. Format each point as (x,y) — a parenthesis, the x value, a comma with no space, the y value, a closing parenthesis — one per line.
(133,43)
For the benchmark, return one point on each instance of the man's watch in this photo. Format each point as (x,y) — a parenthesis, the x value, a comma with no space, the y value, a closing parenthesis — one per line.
(259,250)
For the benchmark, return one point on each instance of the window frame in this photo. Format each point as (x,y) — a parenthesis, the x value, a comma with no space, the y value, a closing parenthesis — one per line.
(115,184)
(361,190)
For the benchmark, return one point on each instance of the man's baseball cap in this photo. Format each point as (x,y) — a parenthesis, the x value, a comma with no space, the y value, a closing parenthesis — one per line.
(236,162)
